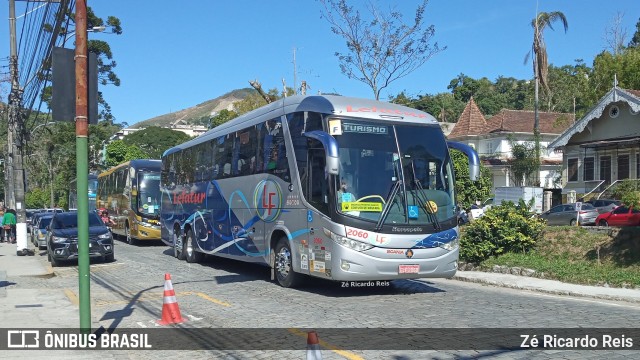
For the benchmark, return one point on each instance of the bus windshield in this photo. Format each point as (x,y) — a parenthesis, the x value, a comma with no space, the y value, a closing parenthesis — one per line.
(148,198)
(394,174)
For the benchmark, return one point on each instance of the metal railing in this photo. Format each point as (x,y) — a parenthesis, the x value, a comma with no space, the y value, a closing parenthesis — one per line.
(614,183)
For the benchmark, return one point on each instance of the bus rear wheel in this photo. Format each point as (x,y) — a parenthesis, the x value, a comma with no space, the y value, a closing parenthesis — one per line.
(284,265)
(191,255)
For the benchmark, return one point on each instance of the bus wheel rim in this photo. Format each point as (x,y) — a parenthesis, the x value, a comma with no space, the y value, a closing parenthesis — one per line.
(283,262)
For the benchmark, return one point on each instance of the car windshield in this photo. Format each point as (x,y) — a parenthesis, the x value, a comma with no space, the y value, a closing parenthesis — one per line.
(394,174)
(44,222)
(70,221)
(587,207)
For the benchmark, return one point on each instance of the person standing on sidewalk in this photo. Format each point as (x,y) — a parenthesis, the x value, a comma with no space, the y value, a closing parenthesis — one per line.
(2,211)
(9,225)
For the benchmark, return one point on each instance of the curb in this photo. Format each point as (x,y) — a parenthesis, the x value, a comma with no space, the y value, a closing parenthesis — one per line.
(545,291)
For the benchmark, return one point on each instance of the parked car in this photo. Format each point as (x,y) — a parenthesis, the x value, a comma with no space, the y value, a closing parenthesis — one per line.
(566,214)
(39,230)
(620,216)
(62,238)
(605,205)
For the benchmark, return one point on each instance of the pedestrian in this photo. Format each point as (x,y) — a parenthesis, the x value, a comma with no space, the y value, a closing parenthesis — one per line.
(2,211)
(9,225)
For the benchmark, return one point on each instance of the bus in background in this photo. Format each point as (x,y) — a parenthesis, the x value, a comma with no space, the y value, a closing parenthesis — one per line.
(73,193)
(328,186)
(130,192)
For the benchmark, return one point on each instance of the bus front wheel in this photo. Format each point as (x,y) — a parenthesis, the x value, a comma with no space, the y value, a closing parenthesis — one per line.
(284,265)
(130,239)
(178,248)
(190,252)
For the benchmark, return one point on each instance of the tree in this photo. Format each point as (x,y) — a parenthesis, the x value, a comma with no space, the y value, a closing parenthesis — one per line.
(468,191)
(222,117)
(540,62)
(615,35)
(119,152)
(382,49)
(523,164)
(635,40)
(106,64)
(154,141)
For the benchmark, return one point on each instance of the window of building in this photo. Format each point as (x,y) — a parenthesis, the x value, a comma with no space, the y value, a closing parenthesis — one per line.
(623,167)
(605,169)
(572,168)
(589,169)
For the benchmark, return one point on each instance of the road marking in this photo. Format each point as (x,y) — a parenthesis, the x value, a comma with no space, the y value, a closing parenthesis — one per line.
(193,318)
(207,297)
(344,353)
(72,297)
(597,301)
(141,324)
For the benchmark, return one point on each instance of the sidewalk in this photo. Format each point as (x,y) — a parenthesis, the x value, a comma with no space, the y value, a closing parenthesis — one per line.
(549,286)
(23,305)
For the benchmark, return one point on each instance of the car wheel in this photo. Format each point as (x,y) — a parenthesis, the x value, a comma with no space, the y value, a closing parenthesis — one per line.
(284,265)
(191,255)
(54,262)
(603,223)
(572,222)
(130,239)
(177,246)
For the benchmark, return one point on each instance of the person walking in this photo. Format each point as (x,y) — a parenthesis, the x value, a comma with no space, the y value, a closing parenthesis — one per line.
(9,225)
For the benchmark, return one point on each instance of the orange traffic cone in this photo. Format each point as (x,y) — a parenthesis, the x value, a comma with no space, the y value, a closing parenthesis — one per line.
(313,347)
(170,310)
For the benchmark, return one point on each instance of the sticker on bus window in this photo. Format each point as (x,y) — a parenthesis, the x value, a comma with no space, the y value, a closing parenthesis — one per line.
(335,127)
(362,206)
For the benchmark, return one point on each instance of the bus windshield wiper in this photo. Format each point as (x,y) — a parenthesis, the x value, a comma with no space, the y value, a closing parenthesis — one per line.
(387,204)
(423,200)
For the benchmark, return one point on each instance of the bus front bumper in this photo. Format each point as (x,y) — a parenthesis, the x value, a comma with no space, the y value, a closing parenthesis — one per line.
(350,265)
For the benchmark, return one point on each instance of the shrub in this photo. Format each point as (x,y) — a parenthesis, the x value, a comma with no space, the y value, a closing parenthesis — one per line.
(503,228)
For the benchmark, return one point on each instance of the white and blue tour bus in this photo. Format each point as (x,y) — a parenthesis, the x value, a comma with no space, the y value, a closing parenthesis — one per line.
(326,186)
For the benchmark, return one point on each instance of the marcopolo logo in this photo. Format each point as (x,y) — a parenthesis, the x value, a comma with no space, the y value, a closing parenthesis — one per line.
(267,200)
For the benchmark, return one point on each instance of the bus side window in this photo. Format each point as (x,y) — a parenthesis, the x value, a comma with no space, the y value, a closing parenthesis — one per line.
(317,193)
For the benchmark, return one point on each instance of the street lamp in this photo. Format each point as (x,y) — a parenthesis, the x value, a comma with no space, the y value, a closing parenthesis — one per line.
(49,123)
(93,29)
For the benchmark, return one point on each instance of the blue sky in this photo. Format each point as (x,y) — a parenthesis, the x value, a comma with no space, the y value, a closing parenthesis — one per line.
(176,54)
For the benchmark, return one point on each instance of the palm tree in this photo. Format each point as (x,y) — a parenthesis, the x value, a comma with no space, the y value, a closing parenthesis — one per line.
(540,63)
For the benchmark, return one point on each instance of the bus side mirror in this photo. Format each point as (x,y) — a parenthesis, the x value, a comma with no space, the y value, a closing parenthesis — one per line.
(331,150)
(474,160)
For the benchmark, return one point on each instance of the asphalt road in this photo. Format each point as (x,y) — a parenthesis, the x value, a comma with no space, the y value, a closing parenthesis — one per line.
(219,293)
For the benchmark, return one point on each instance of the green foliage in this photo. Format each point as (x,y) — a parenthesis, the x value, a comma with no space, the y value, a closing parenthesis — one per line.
(628,191)
(624,66)
(222,117)
(37,198)
(154,141)
(119,152)
(524,163)
(502,229)
(468,191)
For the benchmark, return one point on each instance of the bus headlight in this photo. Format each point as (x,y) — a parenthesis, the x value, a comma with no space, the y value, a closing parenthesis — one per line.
(350,243)
(451,245)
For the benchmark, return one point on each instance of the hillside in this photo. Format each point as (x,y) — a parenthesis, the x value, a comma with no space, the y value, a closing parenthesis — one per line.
(195,114)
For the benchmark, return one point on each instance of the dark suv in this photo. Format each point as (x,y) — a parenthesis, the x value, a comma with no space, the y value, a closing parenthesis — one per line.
(62,238)
(604,205)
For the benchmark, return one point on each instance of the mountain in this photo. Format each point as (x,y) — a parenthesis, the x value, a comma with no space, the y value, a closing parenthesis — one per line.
(197,114)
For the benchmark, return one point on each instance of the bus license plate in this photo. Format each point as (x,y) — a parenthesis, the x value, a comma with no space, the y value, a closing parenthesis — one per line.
(409,269)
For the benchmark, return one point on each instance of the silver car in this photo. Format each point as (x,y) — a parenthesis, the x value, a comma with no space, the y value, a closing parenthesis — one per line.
(605,205)
(566,214)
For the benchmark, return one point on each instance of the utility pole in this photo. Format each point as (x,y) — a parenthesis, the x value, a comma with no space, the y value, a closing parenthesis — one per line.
(16,129)
(82,167)
(13,68)
(295,74)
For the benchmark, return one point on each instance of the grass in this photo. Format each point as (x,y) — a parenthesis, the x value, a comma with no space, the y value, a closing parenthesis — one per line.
(582,256)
